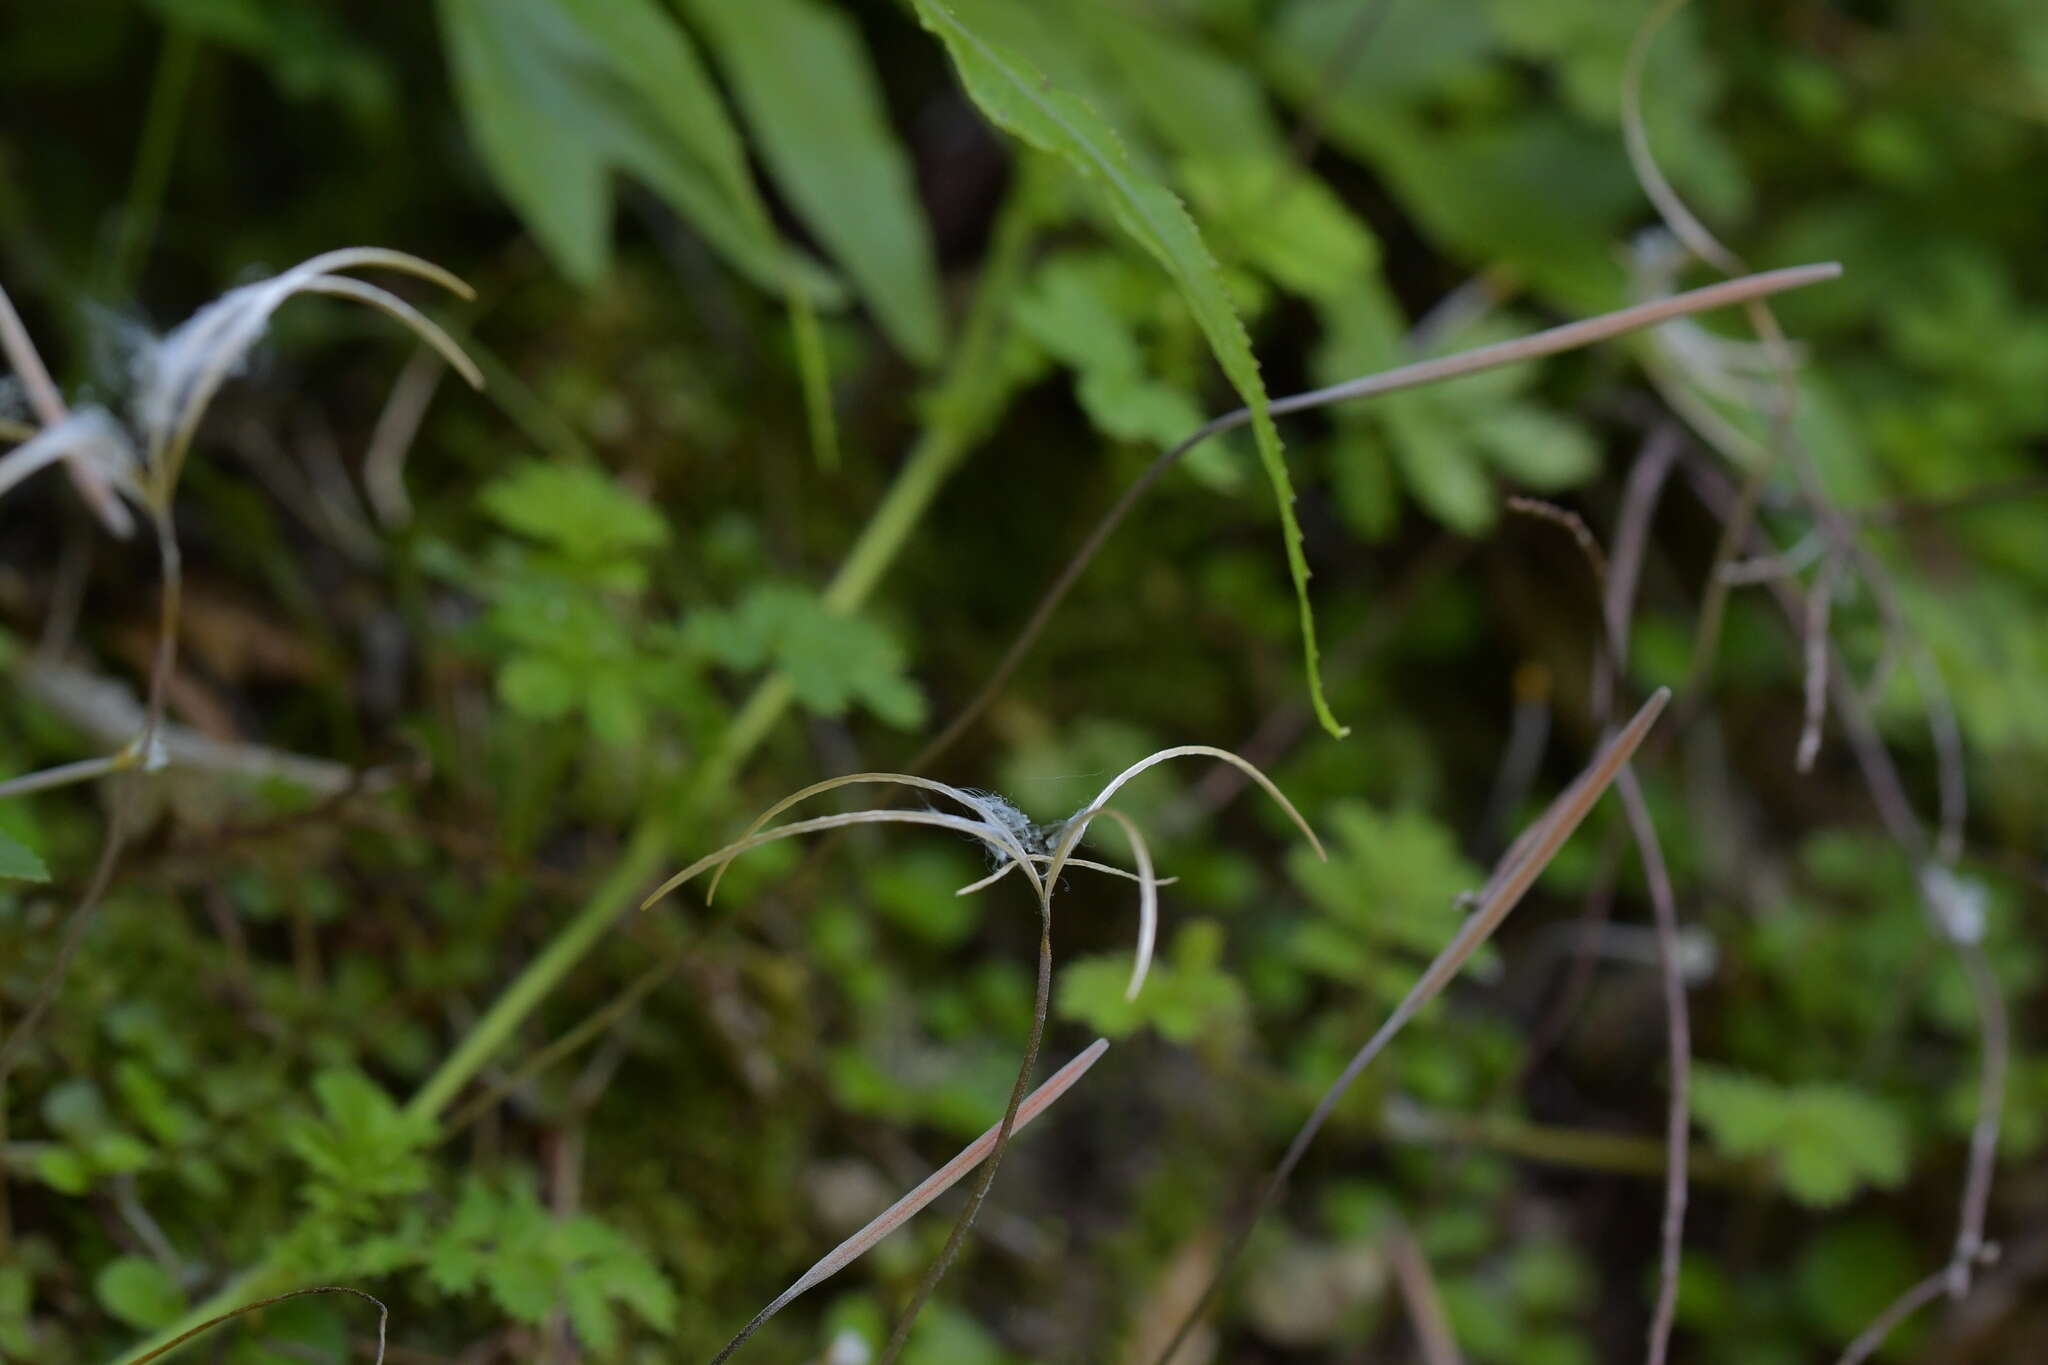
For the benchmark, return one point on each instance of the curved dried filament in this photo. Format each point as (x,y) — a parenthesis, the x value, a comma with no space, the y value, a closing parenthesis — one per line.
(973,828)
(966,798)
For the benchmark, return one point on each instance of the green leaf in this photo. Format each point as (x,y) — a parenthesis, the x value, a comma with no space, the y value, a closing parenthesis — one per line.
(558,94)
(1387,897)
(538,686)
(1025,103)
(1536,447)
(19,862)
(830,659)
(810,97)
(1078,308)
(1439,465)
(1299,235)
(1539,193)
(16,1292)
(146,1096)
(578,510)
(139,1292)
(63,1170)
(362,1147)
(501,1239)
(1185,997)
(119,1153)
(915,891)
(1363,478)
(1826,1140)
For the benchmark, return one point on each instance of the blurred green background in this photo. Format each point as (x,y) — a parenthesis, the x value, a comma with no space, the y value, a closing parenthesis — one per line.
(805,376)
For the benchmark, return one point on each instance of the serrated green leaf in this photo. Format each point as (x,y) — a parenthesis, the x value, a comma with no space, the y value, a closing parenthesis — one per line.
(1185,997)
(139,1292)
(1387,897)
(830,659)
(578,510)
(1232,154)
(19,862)
(1025,103)
(811,99)
(501,1239)
(362,1147)
(1827,1140)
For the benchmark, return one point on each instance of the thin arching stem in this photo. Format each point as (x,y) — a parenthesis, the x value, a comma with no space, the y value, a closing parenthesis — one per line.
(1567,337)
(1518,870)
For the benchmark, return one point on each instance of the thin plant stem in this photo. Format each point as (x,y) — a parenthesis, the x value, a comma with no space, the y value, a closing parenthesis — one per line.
(1571,523)
(1419,1295)
(1895,811)
(1818,603)
(1687,227)
(1569,336)
(1517,871)
(383,1319)
(1040,1000)
(1678,1043)
(64,774)
(592,1027)
(638,863)
(120,815)
(37,387)
(921,1195)
(1631,540)
(1897,1311)
(1617,598)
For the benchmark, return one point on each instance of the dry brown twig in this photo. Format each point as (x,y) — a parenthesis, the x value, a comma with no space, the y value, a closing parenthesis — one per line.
(1954,920)
(927,1190)
(1419,1295)
(1567,337)
(1018,842)
(1617,597)
(1512,877)
(1845,547)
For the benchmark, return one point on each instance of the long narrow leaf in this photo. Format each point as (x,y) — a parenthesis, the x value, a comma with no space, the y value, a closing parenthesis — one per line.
(1024,102)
